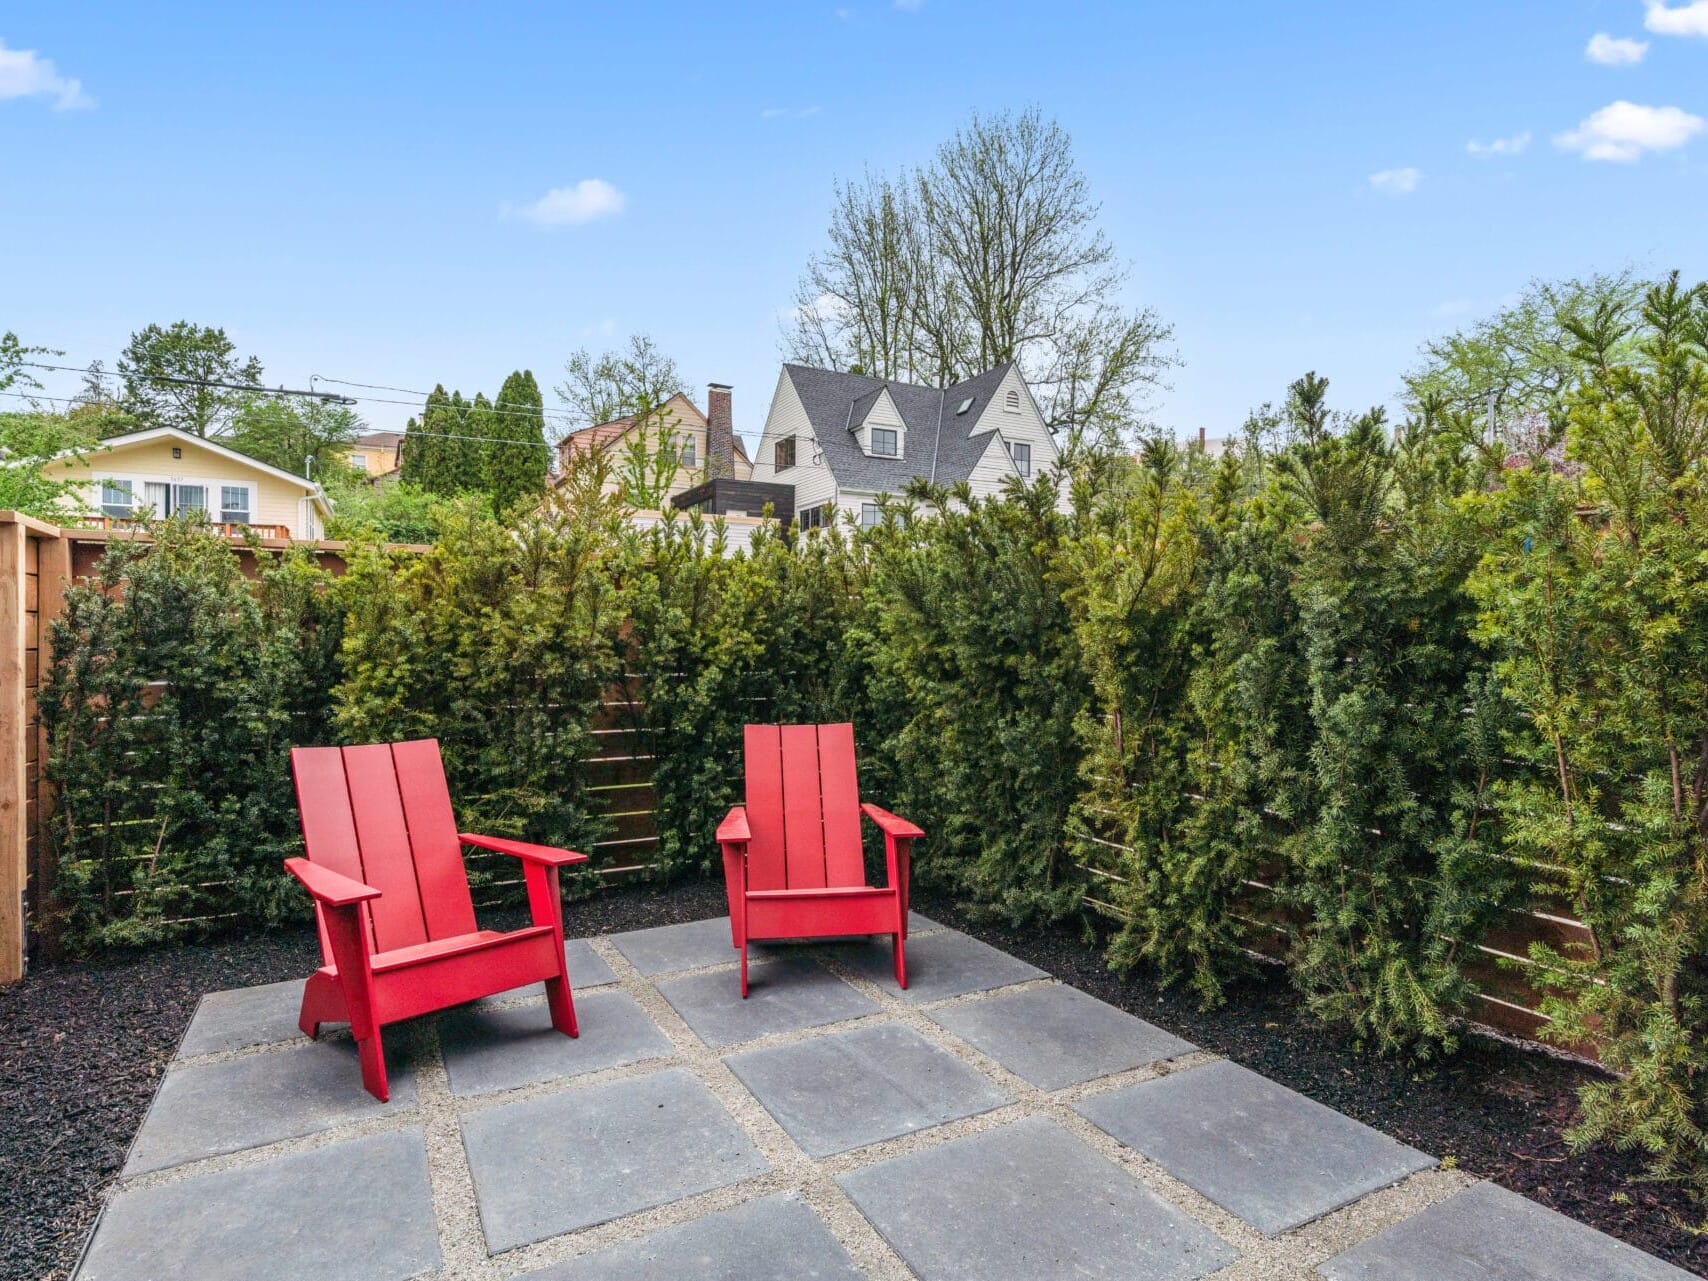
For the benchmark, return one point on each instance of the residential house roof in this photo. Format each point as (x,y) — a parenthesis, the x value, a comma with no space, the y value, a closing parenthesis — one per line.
(940,444)
(113,444)
(585,440)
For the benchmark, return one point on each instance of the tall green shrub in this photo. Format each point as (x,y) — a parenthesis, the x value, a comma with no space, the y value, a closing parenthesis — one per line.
(175,692)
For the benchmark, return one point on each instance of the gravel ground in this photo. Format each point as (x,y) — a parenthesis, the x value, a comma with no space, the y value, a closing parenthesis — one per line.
(82,1048)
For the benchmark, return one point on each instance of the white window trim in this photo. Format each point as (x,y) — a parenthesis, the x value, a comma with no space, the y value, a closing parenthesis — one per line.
(876,514)
(871,441)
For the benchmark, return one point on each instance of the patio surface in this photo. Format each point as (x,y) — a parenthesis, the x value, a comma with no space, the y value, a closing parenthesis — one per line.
(988,1124)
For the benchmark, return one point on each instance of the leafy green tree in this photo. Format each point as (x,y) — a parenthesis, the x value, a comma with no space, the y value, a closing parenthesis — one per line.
(519,459)
(185,376)
(301,435)
(614,384)
(29,442)
(392,511)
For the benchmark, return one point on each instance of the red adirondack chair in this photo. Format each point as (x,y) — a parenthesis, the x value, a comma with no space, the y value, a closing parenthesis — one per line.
(792,860)
(391,895)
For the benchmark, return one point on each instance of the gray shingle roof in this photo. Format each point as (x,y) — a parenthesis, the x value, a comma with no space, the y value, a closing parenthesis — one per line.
(939,442)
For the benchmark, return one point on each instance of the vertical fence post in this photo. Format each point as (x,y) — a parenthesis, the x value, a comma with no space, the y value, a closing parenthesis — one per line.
(53,552)
(14,748)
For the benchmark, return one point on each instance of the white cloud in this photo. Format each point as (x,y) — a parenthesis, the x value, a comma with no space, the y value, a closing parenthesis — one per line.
(570,206)
(1686,20)
(1512,146)
(1615,51)
(24,73)
(1623,131)
(1397,182)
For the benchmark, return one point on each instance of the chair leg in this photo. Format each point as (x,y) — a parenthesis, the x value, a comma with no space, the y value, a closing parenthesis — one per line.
(561,1001)
(744,969)
(322,1002)
(372,1054)
(901,958)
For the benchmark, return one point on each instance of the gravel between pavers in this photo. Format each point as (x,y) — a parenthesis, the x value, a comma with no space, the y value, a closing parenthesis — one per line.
(83,1046)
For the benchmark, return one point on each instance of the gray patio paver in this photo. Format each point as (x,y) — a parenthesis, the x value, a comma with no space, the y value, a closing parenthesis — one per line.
(843,1090)
(1486,1233)
(786,993)
(667,948)
(1272,1156)
(938,966)
(243,1017)
(208,1109)
(586,967)
(360,1209)
(500,1049)
(549,1165)
(776,1238)
(1057,1036)
(1026,1201)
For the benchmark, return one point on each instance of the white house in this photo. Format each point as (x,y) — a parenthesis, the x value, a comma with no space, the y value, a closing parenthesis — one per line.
(843,439)
(163,470)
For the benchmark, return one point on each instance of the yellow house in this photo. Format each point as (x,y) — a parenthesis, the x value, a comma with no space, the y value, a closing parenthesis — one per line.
(696,435)
(162,471)
(376,453)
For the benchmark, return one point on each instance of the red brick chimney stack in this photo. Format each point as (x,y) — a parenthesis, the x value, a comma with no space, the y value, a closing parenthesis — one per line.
(720,432)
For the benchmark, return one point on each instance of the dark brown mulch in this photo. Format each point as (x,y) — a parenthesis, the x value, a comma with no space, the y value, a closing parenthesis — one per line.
(1498,1110)
(82,1047)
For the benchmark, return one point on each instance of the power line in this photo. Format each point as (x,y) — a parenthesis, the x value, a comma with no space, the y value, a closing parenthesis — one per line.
(335,398)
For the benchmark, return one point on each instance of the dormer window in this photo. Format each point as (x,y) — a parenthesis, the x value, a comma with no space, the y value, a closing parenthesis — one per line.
(1011,402)
(885,442)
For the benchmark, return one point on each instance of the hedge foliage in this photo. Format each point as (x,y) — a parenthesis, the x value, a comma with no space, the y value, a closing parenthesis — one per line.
(1348,694)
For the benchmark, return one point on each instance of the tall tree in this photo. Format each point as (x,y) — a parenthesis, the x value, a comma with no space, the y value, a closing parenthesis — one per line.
(422,463)
(989,253)
(288,432)
(186,376)
(518,461)
(597,389)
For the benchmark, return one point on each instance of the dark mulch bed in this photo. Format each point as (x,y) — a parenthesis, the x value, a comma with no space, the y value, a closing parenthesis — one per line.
(82,1047)
(1496,1109)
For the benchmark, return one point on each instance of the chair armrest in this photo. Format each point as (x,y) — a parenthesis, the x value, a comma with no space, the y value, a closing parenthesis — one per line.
(334,889)
(891,825)
(734,830)
(546,855)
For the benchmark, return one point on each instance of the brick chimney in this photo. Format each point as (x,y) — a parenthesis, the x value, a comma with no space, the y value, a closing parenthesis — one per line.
(720,432)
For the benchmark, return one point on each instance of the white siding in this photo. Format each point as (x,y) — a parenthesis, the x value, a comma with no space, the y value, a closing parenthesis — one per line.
(884,413)
(1026,426)
(813,482)
(993,468)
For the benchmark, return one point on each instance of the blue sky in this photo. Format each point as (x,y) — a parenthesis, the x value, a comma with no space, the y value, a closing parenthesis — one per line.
(343,187)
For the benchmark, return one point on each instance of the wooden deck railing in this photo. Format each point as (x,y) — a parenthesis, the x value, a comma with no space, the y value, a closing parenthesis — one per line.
(231,529)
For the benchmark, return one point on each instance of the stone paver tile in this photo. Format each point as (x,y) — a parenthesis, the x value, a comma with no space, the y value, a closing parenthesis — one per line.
(500,1049)
(549,1165)
(938,965)
(1026,1201)
(208,1109)
(1486,1233)
(1272,1156)
(360,1209)
(243,1017)
(586,967)
(1057,1036)
(844,1090)
(667,948)
(786,993)
(777,1238)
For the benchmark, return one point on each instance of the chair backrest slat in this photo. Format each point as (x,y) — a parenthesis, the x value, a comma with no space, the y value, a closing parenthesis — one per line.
(803,808)
(803,811)
(328,826)
(763,751)
(844,865)
(446,904)
(388,864)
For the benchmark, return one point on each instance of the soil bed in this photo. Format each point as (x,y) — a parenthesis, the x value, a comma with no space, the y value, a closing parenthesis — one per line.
(82,1048)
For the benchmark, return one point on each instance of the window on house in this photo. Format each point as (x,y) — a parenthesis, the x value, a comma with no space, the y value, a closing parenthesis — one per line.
(234,504)
(690,456)
(1011,402)
(117,499)
(884,442)
(811,518)
(1022,455)
(783,454)
(869,515)
(190,498)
